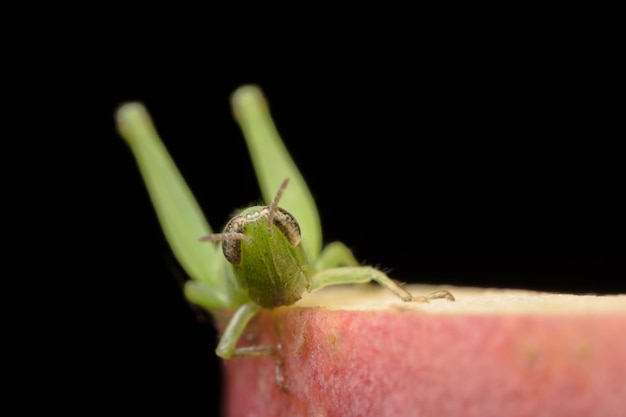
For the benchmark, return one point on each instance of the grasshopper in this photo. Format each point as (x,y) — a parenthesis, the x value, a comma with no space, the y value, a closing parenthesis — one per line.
(270,255)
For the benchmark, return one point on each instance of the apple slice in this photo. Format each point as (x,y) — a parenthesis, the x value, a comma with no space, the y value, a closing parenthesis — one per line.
(359,351)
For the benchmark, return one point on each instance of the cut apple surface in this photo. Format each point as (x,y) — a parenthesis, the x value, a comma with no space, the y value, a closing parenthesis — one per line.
(359,351)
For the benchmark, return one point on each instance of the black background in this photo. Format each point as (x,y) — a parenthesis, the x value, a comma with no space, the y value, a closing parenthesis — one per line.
(476,168)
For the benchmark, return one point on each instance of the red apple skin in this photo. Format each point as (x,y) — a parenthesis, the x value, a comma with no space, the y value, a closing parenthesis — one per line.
(398,362)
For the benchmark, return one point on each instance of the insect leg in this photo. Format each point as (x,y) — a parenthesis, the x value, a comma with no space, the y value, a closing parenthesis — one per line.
(362,274)
(237,324)
(333,255)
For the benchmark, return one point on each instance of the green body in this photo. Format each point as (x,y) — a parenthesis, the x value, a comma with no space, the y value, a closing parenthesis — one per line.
(272,271)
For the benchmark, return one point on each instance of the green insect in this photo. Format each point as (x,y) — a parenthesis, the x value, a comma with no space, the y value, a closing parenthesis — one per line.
(267,258)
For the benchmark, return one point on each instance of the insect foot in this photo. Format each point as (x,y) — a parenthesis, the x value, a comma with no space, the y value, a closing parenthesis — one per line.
(280,376)
(434,296)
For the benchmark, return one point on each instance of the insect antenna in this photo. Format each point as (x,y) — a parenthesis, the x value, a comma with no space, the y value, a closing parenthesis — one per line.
(220,237)
(274,205)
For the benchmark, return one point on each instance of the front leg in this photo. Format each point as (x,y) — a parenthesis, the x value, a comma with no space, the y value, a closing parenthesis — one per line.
(226,348)
(333,255)
(363,274)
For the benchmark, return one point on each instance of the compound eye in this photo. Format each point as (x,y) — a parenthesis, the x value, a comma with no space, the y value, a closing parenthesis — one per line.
(232,248)
(287,224)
